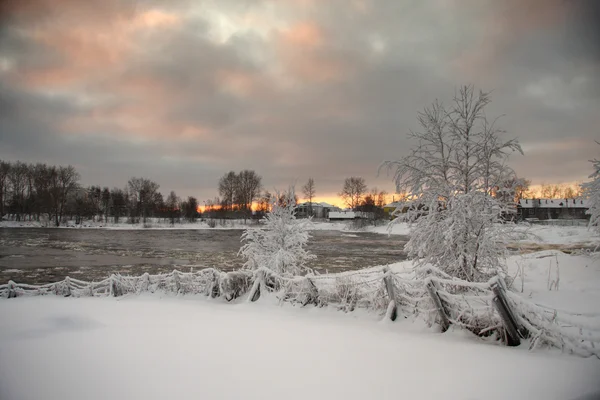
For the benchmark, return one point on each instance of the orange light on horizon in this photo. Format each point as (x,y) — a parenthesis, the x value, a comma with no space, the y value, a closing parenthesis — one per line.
(331,199)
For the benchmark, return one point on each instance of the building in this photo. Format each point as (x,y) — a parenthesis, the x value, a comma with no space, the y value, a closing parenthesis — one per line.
(349,215)
(543,209)
(319,210)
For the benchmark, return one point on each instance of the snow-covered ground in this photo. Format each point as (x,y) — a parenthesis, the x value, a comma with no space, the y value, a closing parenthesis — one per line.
(535,276)
(155,223)
(191,348)
(528,234)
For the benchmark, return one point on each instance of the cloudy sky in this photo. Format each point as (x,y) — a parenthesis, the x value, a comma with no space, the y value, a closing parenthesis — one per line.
(183,91)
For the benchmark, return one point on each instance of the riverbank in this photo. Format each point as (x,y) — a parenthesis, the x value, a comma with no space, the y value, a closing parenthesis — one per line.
(156,223)
(532,236)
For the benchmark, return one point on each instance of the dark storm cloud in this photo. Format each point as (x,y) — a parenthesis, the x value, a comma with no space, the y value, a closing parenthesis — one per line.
(186,91)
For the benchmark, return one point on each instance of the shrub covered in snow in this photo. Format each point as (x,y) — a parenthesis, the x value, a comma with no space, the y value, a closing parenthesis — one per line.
(280,244)
(592,191)
(452,179)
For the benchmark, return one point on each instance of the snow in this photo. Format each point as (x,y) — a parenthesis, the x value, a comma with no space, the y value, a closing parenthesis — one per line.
(156,224)
(189,348)
(555,203)
(579,280)
(538,234)
(567,235)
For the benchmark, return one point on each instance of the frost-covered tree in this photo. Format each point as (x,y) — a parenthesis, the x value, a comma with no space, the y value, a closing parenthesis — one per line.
(451,174)
(591,191)
(280,245)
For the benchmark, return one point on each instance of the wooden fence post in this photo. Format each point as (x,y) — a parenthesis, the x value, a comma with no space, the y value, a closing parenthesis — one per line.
(145,286)
(215,291)
(392,309)
(114,286)
(176,280)
(508,318)
(12,290)
(313,296)
(67,287)
(259,278)
(438,304)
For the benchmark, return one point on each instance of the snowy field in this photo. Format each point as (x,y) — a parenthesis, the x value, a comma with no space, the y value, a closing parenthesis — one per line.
(191,348)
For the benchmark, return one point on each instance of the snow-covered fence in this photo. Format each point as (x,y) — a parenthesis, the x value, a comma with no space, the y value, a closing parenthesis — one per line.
(484,308)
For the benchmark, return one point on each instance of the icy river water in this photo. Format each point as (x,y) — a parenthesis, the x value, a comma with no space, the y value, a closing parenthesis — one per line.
(32,255)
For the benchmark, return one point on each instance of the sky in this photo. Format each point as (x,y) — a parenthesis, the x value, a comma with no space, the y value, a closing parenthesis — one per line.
(184,91)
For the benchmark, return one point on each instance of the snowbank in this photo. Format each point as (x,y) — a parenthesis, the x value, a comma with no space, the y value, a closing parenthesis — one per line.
(538,234)
(190,348)
(557,234)
(160,224)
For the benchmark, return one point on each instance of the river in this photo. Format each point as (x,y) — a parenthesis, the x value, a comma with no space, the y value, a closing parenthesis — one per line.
(42,255)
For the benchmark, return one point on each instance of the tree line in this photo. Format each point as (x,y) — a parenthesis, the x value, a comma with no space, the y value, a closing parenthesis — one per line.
(41,192)
(38,192)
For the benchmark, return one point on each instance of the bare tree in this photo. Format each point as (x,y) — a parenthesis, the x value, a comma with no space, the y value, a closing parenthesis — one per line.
(309,194)
(450,175)
(4,173)
(63,182)
(190,209)
(118,199)
(227,189)
(353,191)
(17,177)
(105,203)
(550,191)
(247,190)
(143,196)
(172,206)
(572,191)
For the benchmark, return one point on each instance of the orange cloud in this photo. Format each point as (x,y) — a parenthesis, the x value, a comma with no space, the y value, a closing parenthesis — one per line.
(155,19)
(303,54)
(91,41)
(239,83)
(304,34)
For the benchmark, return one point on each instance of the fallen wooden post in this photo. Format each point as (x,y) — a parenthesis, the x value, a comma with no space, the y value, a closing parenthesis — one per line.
(445,322)
(313,295)
(392,310)
(508,318)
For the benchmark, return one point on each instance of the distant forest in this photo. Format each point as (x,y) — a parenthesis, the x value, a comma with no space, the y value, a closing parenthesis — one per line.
(45,192)
(53,194)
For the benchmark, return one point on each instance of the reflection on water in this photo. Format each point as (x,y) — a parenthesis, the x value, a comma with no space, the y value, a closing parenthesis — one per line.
(34,255)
